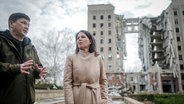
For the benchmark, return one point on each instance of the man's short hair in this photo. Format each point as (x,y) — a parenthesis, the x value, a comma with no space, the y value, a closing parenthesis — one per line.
(15,16)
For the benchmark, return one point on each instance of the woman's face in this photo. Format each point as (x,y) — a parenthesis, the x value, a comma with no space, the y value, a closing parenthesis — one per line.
(83,41)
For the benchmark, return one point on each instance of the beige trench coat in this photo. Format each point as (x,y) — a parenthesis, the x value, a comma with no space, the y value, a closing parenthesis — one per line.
(85,80)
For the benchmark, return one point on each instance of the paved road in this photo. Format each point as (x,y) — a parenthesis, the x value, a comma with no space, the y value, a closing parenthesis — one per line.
(116,102)
(61,101)
(51,101)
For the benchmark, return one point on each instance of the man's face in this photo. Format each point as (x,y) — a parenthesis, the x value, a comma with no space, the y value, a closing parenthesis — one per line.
(20,27)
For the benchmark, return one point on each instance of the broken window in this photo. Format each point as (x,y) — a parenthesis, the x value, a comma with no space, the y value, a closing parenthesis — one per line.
(101,25)
(180,57)
(110,57)
(101,17)
(182,77)
(177,30)
(109,32)
(109,49)
(109,41)
(181,67)
(175,13)
(101,41)
(179,48)
(94,33)
(94,17)
(178,39)
(109,17)
(94,25)
(109,67)
(101,32)
(176,21)
(101,49)
(109,24)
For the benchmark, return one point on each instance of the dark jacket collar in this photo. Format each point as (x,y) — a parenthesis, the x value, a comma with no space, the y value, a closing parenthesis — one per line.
(7,34)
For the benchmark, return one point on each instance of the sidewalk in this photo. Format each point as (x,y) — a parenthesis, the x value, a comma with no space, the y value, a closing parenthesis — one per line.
(51,101)
(61,101)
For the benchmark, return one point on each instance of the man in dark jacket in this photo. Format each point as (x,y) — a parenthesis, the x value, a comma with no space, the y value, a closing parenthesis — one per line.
(19,62)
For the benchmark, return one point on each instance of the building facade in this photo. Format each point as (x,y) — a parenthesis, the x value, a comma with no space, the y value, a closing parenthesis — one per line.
(107,28)
(161,49)
(137,82)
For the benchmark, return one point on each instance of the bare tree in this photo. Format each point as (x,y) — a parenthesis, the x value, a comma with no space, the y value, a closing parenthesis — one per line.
(54,46)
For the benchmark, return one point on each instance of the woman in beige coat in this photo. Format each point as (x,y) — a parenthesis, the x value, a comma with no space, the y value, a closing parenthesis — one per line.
(85,80)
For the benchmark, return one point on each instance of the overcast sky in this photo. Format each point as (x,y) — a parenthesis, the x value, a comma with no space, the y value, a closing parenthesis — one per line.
(56,14)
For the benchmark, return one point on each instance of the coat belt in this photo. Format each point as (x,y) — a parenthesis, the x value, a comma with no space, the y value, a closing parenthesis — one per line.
(82,92)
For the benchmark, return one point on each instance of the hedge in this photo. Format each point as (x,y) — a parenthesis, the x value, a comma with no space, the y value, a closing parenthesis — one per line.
(160,98)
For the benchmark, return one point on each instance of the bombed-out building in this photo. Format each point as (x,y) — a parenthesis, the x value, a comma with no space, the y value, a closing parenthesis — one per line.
(161,49)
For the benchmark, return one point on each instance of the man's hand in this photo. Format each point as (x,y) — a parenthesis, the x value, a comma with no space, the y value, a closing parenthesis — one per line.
(26,66)
(42,71)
